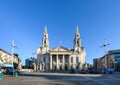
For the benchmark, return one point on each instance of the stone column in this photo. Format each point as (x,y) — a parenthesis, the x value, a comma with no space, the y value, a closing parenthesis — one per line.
(57,61)
(81,66)
(40,66)
(37,66)
(43,67)
(50,62)
(34,66)
(69,62)
(63,62)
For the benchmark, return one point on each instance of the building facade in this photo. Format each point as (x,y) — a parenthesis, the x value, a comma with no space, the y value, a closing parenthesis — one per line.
(114,59)
(30,61)
(60,58)
(99,64)
(111,60)
(6,60)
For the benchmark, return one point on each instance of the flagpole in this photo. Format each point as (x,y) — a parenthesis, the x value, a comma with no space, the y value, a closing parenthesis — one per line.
(13,55)
(104,46)
(13,46)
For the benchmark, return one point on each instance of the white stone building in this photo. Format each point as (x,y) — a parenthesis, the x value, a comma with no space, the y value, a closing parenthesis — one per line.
(6,60)
(60,58)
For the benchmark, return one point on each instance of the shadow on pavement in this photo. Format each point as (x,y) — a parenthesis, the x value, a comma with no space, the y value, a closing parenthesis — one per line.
(64,79)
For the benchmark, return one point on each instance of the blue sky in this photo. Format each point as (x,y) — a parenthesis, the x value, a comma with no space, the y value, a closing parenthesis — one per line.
(24,20)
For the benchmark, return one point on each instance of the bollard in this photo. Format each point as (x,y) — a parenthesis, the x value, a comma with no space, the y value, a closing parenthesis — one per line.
(1,76)
(16,74)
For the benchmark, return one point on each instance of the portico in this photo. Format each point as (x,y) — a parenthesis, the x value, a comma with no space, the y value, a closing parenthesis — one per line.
(59,58)
(59,61)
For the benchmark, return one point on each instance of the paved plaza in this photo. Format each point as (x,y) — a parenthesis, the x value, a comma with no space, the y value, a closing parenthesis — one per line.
(62,79)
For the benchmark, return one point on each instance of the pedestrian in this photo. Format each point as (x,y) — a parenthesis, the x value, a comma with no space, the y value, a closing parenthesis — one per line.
(0,74)
(0,70)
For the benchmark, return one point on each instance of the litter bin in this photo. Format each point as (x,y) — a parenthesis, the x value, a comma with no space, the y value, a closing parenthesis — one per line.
(16,74)
(1,75)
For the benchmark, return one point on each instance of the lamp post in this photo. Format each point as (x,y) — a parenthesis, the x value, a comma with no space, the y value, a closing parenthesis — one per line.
(13,46)
(104,46)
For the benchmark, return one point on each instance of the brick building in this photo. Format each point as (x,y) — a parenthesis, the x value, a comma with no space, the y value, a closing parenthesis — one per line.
(111,60)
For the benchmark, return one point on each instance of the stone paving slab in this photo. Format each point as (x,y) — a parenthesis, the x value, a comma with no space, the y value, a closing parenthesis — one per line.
(60,79)
(40,81)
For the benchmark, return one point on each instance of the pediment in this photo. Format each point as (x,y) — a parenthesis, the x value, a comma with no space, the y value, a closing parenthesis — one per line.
(60,49)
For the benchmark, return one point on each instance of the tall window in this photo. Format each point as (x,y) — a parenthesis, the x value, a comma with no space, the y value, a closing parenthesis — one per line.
(77,59)
(44,59)
(0,54)
(71,59)
(66,60)
(1,57)
(45,43)
(60,60)
(49,59)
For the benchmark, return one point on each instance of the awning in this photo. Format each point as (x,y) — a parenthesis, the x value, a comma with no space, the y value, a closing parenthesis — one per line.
(6,65)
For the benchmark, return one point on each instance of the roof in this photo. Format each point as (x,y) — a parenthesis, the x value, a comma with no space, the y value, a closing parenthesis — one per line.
(15,55)
(114,51)
(5,51)
(60,48)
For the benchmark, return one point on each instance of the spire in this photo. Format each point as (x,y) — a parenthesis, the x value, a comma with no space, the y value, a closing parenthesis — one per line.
(77,40)
(77,31)
(45,29)
(45,40)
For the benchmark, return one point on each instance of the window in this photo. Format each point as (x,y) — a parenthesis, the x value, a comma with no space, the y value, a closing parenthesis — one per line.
(77,59)
(71,59)
(66,60)
(1,57)
(49,59)
(77,35)
(54,60)
(60,60)
(0,54)
(44,42)
(78,43)
(44,59)
(112,56)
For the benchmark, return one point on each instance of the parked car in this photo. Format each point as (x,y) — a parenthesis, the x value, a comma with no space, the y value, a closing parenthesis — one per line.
(72,71)
(10,71)
(109,71)
(100,72)
(83,71)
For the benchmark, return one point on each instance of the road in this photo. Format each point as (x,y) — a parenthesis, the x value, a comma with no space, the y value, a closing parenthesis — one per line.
(62,79)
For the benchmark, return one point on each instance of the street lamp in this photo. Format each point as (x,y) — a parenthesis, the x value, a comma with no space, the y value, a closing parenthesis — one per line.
(13,46)
(104,46)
